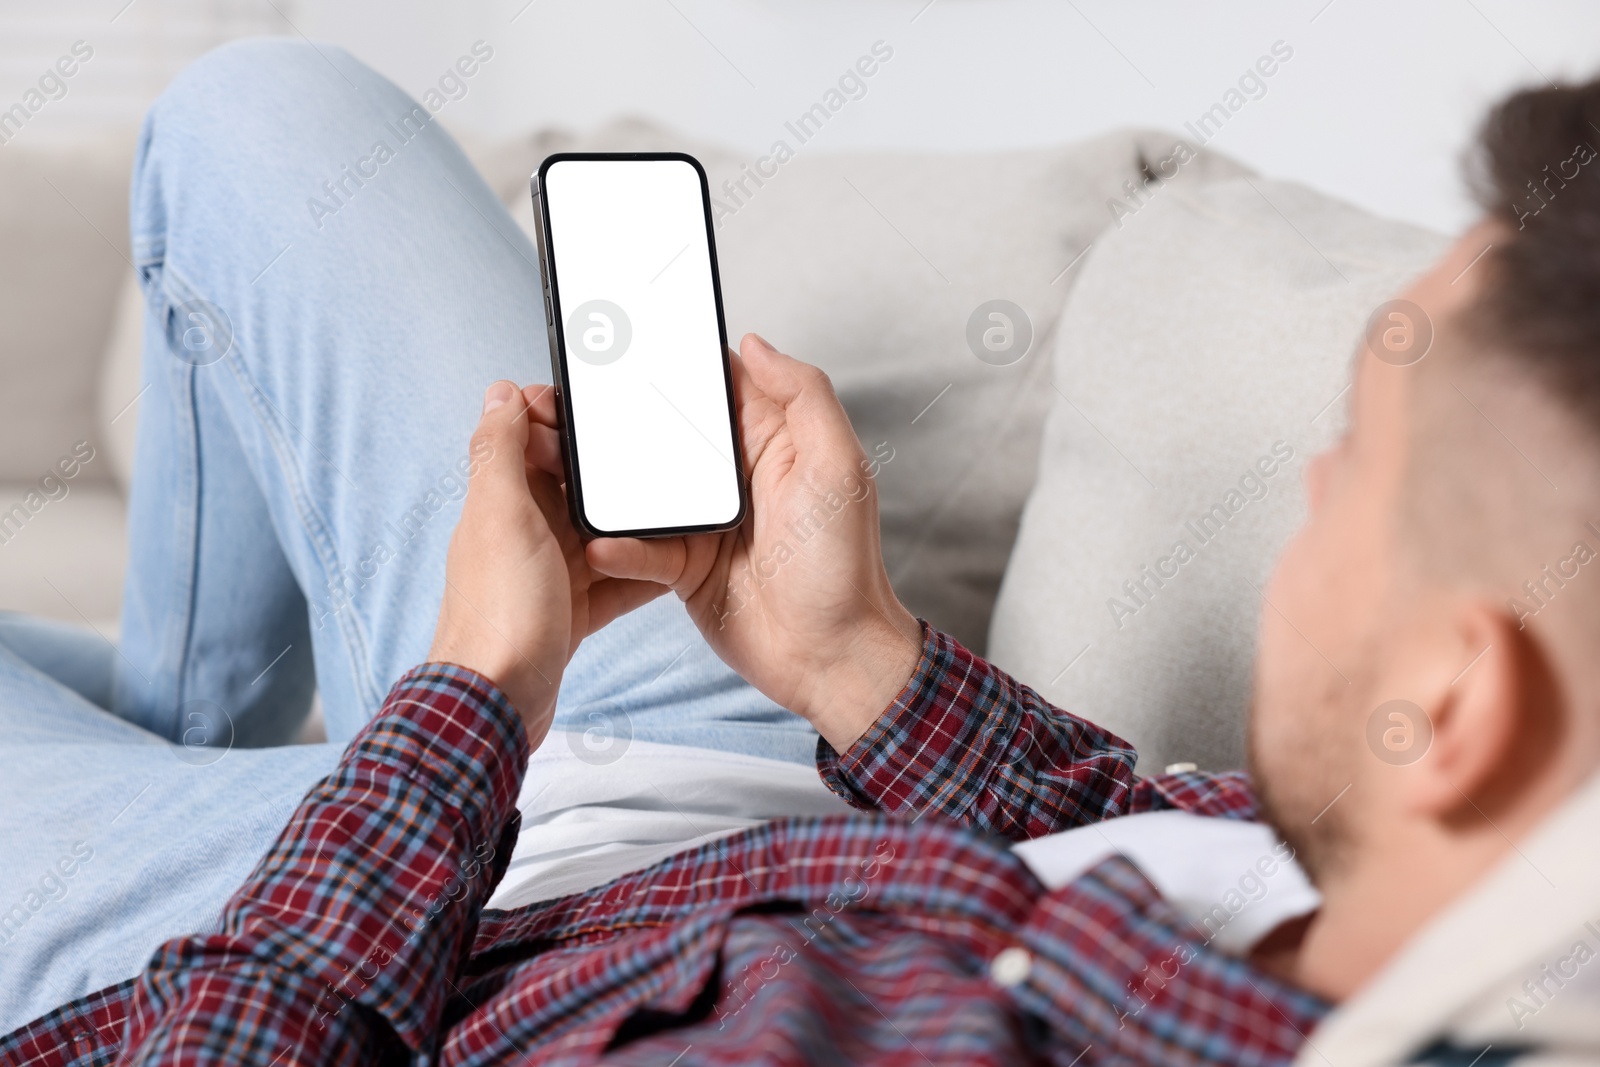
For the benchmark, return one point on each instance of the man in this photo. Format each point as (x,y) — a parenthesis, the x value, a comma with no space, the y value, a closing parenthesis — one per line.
(912,932)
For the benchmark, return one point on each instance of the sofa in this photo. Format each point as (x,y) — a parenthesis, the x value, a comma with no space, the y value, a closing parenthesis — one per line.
(1176,338)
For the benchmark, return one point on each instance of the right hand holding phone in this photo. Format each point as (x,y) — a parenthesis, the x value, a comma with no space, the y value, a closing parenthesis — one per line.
(796,599)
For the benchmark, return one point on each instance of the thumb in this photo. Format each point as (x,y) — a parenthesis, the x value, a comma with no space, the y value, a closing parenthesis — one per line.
(810,406)
(499,442)
(783,378)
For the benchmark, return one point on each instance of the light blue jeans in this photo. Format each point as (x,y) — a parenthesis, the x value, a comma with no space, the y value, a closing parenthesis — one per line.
(323,316)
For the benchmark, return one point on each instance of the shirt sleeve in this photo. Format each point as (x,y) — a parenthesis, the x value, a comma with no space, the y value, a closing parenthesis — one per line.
(342,944)
(1113,965)
(969,742)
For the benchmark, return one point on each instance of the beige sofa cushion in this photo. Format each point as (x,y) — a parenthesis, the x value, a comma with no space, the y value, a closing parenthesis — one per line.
(63,249)
(63,258)
(66,559)
(1211,333)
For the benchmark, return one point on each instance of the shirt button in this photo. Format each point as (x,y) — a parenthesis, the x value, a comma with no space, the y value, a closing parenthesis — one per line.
(1011,967)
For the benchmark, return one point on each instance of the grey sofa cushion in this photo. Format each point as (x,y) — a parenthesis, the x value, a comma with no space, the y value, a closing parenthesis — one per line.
(1211,333)
(870,265)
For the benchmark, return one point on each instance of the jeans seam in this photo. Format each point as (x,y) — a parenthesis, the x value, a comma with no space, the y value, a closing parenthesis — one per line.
(177,634)
(315,527)
(312,524)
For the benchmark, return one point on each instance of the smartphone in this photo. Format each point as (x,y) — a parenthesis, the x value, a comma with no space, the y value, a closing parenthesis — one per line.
(638,347)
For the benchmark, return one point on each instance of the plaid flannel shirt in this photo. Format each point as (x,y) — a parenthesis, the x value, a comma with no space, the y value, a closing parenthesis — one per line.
(908,934)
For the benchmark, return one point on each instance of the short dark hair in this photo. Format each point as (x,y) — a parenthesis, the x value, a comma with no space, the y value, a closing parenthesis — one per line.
(1536,171)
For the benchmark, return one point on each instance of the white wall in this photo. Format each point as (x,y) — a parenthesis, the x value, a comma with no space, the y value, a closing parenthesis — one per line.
(1376,104)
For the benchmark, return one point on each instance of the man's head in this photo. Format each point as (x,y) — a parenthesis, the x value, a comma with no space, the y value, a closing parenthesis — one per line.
(1427,684)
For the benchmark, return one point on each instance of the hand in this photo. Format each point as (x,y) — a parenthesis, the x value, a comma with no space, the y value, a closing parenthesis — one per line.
(519,595)
(796,599)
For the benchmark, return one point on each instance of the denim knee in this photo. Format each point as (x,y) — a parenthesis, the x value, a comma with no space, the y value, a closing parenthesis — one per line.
(260,74)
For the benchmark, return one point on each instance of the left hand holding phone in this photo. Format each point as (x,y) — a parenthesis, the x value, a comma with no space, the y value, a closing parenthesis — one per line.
(519,593)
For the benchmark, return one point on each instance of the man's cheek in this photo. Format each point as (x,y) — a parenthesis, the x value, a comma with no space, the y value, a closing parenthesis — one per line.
(1287,661)
(1276,671)
(1316,597)
(1295,580)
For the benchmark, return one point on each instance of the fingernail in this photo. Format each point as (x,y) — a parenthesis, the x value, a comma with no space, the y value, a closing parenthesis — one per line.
(764,342)
(498,394)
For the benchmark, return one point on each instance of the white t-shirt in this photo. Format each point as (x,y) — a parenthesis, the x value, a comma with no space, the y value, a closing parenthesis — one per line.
(584,824)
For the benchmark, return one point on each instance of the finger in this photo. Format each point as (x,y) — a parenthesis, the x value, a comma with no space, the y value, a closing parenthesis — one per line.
(541,401)
(760,417)
(783,378)
(811,408)
(745,390)
(661,561)
(611,598)
(544,450)
(553,505)
(544,439)
(499,443)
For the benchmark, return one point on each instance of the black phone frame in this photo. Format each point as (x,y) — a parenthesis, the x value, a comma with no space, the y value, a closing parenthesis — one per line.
(558,349)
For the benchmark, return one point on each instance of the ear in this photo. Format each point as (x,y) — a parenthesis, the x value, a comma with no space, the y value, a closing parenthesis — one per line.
(1496,725)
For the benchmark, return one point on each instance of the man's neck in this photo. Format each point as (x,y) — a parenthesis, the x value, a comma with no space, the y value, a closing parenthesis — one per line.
(1369,912)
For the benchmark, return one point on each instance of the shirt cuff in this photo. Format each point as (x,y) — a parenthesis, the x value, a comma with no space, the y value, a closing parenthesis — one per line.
(936,703)
(453,731)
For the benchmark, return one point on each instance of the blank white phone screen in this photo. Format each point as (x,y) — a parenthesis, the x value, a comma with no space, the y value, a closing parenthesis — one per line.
(645,378)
